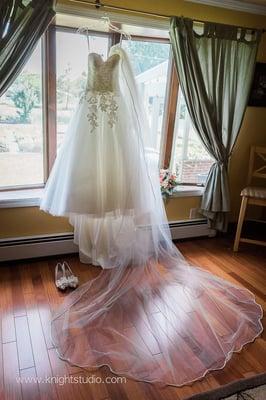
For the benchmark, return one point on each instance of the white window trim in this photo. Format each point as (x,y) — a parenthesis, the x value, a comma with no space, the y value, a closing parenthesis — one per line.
(90,12)
(188,191)
(32,197)
(21,198)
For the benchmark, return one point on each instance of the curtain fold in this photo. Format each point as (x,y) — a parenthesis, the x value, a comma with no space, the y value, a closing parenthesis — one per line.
(215,69)
(22,24)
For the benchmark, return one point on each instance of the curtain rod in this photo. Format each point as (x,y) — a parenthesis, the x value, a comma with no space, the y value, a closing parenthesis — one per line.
(97,4)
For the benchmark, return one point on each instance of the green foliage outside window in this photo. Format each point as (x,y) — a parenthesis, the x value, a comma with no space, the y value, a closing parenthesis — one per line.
(25,94)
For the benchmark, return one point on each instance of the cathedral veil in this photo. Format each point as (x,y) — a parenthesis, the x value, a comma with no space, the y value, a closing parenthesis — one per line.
(149,315)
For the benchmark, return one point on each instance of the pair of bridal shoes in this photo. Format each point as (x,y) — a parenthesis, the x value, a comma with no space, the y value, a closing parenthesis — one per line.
(64,276)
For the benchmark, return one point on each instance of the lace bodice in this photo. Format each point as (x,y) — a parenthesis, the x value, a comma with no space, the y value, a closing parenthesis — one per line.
(102,75)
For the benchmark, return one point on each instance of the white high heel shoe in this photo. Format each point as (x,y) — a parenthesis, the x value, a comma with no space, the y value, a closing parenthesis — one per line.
(72,279)
(61,281)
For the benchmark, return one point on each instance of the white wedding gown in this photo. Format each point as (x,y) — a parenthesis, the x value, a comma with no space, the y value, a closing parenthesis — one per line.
(149,315)
(100,176)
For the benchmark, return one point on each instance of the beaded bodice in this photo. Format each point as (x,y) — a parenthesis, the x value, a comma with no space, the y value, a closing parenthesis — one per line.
(101,89)
(102,75)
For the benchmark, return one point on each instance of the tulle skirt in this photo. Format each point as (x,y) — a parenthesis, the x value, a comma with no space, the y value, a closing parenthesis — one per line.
(97,168)
(100,181)
(165,323)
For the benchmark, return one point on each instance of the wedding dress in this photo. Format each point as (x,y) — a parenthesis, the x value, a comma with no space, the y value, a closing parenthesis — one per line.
(149,314)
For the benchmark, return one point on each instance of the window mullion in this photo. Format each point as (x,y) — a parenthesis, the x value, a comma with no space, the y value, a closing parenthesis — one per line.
(115,37)
(50,98)
(172,94)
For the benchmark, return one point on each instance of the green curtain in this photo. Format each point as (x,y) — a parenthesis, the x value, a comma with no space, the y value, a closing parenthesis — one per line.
(215,69)
(21,26)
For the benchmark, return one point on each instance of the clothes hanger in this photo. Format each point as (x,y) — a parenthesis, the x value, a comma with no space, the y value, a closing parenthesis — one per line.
(114,28)
(85,29)
(111,27)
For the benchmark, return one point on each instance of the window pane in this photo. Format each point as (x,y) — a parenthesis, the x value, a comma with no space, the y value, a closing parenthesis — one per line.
(71,73)
(21,127)
(190,161)
(150,65)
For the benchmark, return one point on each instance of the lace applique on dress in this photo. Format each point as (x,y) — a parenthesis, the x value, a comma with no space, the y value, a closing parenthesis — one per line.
(101,101)
(100,90)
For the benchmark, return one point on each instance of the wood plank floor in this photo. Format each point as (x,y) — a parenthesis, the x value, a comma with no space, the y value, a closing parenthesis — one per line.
(28,297)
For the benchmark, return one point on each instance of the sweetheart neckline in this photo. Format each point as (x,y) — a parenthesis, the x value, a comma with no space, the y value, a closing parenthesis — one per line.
(108,58)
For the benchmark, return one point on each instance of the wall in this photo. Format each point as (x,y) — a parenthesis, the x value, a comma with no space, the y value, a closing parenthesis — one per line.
(253,132)
(29,221)
(26,221)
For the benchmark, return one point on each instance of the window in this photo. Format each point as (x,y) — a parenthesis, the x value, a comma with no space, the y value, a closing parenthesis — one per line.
(150,61)
(71,72)
(190,161)
(32,126)
(21,127)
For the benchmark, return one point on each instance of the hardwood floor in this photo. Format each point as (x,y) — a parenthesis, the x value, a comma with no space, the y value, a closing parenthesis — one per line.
(28,296)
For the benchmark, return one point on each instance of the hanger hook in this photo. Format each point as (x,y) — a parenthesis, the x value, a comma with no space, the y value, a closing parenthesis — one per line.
(98,4)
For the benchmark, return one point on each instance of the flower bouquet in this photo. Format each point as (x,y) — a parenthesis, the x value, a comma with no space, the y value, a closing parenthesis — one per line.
(168,182)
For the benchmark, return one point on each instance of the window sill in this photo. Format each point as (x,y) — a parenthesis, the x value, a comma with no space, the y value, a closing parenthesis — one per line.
(188,191)
(20,198)
(31,197)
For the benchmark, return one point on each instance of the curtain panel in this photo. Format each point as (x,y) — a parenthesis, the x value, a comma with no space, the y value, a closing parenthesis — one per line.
(215,69)
(22,24)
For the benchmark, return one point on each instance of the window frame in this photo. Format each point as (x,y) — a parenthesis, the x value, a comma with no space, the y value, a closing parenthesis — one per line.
(172,149)
(48,53)
(114,38)
(172,97)
(44,135)
(51,108)
(166,127)
(50,98)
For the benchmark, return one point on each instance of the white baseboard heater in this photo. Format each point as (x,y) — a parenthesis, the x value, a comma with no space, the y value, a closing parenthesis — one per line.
(62,243)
